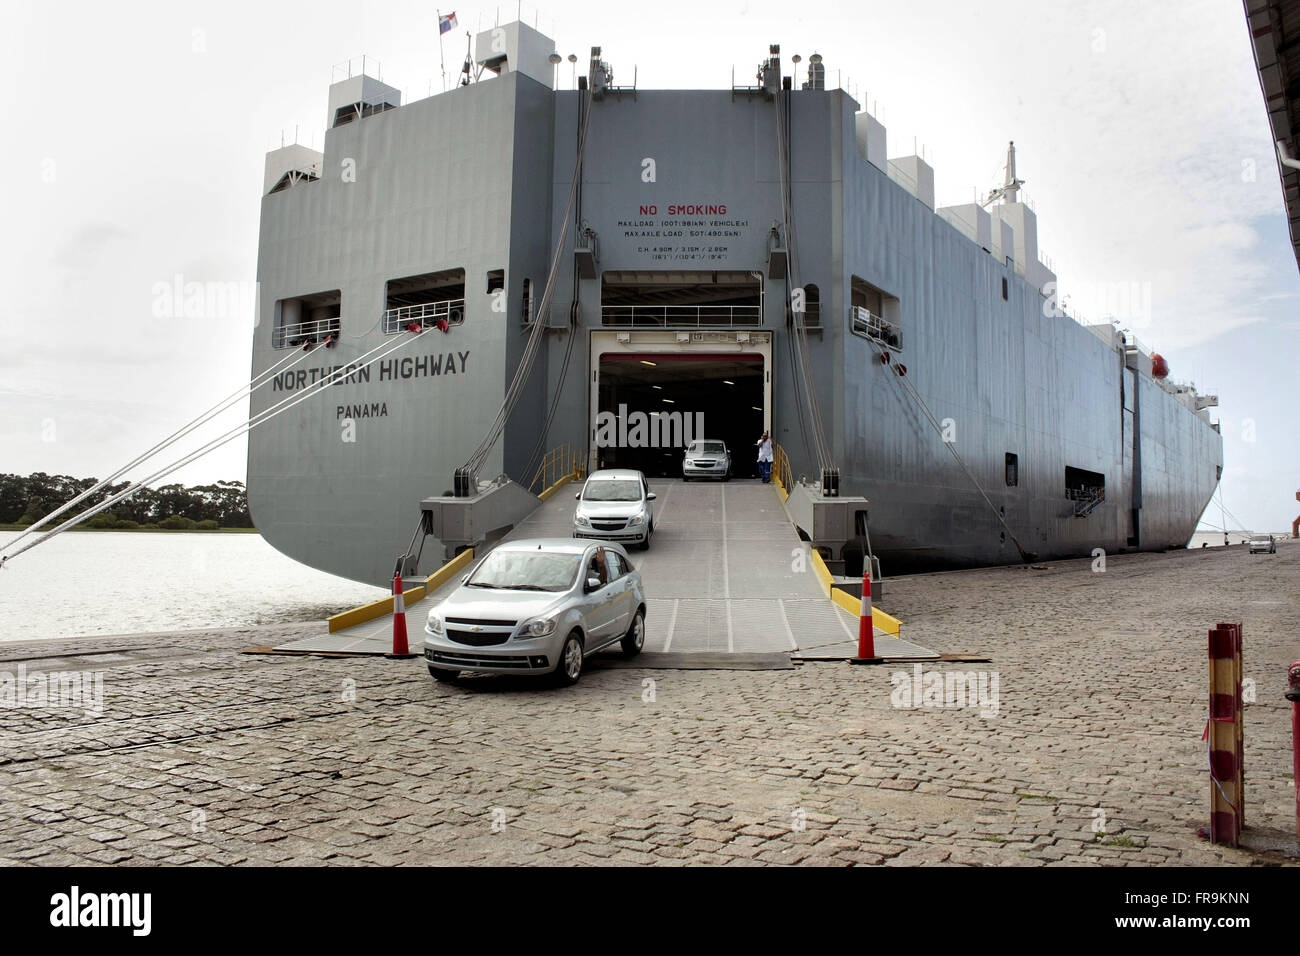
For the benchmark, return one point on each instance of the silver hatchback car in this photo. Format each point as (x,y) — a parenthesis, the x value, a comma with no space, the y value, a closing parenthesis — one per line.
(539,606)
(706,458)
(1262,544)
(615,504)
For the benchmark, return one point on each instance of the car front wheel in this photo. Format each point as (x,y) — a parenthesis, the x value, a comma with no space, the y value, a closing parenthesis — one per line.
(569,669)
(634,639)
(443,676)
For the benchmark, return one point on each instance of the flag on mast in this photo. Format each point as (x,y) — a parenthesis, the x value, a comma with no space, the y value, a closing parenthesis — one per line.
(447,23)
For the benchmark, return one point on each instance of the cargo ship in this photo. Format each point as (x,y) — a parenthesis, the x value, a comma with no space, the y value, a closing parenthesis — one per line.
(458,285)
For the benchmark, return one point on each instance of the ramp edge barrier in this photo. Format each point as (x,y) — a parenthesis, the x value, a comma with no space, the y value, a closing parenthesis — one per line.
(781,471)
(558,466)
(375,609)
(885,622)
(564,480)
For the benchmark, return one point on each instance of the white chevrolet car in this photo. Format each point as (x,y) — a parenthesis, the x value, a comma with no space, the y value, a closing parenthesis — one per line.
(1262,544)
(615,504)
(706,458)
(540,606)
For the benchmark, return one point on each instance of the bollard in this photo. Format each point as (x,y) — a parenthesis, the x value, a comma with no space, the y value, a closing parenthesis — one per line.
(1293,695)
(866,627)
(1223,736)
(401,649)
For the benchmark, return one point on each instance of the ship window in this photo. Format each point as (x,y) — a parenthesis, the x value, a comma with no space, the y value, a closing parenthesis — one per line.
(307,319)
(1013,470)
(424,300)
(496,280)
(687,299)
(1004,288)
(1082,485)
(812,306)
(875,314)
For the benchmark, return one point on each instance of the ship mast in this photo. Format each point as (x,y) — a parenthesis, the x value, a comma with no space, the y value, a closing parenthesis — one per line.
(1010,188)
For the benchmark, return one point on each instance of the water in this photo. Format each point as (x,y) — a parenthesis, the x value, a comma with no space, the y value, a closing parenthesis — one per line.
(106,582)
(1214,539)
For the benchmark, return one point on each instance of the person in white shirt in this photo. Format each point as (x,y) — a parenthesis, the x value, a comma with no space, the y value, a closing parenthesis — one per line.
(765,458)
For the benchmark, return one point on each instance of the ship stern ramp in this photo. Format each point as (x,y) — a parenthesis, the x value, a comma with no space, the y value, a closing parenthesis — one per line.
(726,573)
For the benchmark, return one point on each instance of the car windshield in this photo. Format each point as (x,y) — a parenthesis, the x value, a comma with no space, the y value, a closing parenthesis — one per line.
(613,489)
(707,448)
(526,571)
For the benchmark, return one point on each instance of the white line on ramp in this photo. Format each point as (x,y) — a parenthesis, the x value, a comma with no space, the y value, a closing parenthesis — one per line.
(726,574)
(780,604)
(672,624)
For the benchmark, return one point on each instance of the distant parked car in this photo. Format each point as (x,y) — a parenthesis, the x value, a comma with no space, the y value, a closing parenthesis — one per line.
(539,606)
(615,504)
(706,458)
(1262,544)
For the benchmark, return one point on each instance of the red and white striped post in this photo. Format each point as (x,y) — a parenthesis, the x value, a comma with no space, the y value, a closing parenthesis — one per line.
(400,647)
(866,627)
(1223,735)
(1293,695)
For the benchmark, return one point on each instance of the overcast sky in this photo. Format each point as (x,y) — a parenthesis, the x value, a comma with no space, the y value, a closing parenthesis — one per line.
(136,133)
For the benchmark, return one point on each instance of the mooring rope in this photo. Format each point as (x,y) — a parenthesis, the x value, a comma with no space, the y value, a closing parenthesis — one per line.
(312,390)
(523,371)
(911,392)
(238,395)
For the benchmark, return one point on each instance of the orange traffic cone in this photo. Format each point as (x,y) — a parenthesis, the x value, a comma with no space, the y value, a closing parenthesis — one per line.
(400,648)
(866,626)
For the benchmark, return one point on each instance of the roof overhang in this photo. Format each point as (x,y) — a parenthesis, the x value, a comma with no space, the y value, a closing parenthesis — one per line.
(1275,36)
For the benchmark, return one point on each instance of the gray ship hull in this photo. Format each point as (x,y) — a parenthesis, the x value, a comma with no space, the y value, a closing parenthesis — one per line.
(472,184)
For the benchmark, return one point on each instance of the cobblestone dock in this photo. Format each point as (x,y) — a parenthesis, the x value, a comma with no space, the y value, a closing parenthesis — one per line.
(1094,755)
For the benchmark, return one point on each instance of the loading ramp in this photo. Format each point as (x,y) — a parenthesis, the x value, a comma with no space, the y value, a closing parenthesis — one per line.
(726,573)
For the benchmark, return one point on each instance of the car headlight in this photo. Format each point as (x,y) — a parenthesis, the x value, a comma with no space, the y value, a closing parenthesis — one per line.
(538,627)
(690,462)
(434,625)
(635,520)
(581,519)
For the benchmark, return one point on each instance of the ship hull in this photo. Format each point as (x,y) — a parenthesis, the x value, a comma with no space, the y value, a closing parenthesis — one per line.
(986,355)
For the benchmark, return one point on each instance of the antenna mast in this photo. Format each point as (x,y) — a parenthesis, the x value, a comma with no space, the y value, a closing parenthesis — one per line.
(1011,187)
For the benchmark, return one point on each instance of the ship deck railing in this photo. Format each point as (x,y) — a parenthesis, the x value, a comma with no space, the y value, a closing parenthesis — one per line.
(683,316)
(299,333)
(1086,500)
(425,315)
(558,464)
(866,323)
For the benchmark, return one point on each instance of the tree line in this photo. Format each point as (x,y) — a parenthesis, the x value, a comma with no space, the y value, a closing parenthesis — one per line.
(24,500)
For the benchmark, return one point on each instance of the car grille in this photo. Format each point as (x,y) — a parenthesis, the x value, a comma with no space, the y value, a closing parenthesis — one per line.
(476,639)
(608,524)
(471,660)
(704,462)
(481,621)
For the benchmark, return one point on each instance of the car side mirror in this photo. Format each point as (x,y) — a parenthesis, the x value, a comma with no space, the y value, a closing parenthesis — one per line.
(464,579)
(593,584)
(651,497)
(577,496)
